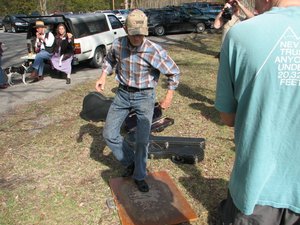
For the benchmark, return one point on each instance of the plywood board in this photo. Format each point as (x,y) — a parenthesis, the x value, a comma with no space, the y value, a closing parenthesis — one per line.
(164,204)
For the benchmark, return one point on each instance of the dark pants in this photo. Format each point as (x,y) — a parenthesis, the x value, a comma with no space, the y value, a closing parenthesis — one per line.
(262,215)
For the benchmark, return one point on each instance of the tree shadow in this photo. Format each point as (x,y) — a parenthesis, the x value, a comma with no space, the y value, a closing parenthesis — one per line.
(208,112)
(199,46)
(186,91)
(205,105)
(208,191)
(97,149)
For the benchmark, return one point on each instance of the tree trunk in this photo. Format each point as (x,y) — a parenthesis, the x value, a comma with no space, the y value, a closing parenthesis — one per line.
(43,5)
(126,4)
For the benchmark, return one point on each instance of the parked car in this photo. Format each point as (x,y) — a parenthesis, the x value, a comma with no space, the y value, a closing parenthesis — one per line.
(93,34)
(15,23)
(208,8)
(195,13)
(162,21)
(121,14)
(213,10)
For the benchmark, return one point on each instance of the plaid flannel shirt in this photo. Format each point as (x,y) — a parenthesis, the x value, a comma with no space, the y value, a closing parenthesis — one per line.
(140,67)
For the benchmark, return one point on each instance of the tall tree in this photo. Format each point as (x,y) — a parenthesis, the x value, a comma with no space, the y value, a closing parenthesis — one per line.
(43,6)
(126,4)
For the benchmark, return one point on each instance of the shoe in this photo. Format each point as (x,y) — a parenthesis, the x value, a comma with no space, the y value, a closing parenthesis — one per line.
(68,81)
(33,75)
(3,86)
(142,185)
(128,171)
(37,79)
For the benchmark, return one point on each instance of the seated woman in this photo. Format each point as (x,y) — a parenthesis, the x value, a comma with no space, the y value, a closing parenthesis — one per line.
(63,52)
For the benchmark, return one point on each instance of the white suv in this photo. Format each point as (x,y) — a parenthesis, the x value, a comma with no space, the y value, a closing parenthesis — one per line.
(93,34)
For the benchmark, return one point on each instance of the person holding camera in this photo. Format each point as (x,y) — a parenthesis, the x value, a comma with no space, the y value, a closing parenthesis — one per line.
(231,15)
(258,93)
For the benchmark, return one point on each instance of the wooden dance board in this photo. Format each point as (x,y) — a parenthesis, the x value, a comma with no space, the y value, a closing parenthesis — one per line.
(163,204)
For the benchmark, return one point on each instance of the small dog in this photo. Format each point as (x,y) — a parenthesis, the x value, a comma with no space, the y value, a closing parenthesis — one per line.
(17,70)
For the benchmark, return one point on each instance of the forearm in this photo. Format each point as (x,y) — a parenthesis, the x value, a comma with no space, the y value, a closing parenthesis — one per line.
(166,102)
(218,23)
(100,83)
(170,94)
(228,118)
(246,11)
(103,75)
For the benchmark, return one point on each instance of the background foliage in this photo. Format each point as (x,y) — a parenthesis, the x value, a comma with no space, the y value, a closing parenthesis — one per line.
(50,6)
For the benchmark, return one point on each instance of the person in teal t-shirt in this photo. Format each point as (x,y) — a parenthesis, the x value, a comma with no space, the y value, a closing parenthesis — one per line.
(258,93)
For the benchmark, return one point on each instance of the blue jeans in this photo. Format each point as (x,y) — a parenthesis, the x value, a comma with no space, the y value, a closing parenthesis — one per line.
(39,63)
(142,102)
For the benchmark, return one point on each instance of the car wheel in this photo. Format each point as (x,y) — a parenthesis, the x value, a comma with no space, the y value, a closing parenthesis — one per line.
(200,27)
(159,30)
(97,60)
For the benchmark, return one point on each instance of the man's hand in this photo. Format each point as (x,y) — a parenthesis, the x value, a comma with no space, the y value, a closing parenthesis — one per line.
(166,102)
(39,36)
(69,35)
(227,5)
(100,83)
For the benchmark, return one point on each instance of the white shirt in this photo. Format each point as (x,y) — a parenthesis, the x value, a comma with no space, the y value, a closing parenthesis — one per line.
(46,42)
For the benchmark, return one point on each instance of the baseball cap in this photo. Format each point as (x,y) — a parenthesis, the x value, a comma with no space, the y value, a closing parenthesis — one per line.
(137,23)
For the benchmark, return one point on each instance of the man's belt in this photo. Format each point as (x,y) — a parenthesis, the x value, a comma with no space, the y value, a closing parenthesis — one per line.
(132,89)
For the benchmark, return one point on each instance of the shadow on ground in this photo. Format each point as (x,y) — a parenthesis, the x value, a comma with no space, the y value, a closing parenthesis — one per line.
(208,191)
(97,150)
(199,46)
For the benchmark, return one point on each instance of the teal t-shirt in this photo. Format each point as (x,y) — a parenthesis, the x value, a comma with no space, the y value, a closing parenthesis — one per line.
(259,80)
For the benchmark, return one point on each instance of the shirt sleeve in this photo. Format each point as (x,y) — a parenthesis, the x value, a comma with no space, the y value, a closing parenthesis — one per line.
(110,61)
(169,68)
(225,99)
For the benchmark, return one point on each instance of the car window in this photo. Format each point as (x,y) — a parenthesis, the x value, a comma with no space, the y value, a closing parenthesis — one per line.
(193,11)
(154,16)
(90,27)
(115,23)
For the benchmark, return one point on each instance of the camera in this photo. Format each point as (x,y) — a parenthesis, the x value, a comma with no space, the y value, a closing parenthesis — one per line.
(228,11)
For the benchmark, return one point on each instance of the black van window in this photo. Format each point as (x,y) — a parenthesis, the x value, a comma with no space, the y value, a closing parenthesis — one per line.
(86,28)
(115,23)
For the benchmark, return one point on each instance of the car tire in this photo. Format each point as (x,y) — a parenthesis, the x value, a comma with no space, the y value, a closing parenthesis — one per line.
(159,30)
(200,27)
(98,57)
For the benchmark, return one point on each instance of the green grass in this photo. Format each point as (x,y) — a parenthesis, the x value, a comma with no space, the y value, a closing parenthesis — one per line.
(55,167)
